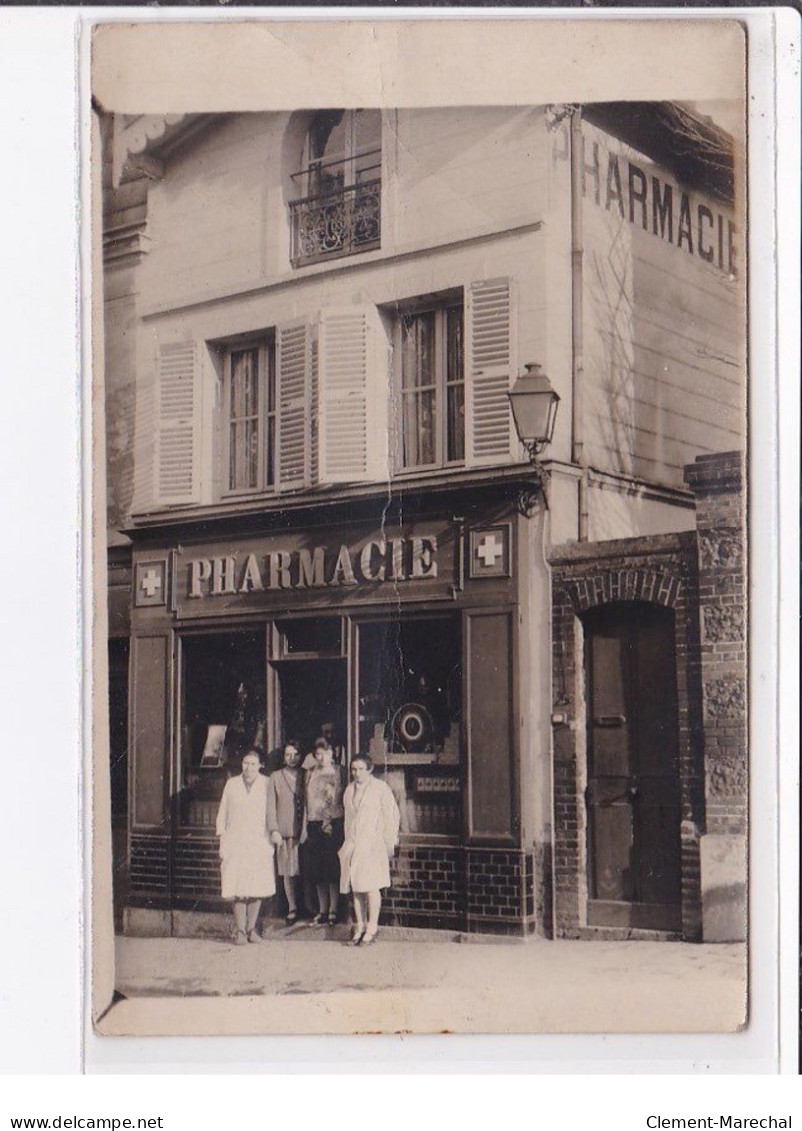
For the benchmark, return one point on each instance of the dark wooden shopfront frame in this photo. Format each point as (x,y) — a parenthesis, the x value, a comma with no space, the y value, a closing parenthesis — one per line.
(485,608)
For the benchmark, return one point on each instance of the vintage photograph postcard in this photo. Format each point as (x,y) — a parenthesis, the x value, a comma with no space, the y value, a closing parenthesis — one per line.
(420,674)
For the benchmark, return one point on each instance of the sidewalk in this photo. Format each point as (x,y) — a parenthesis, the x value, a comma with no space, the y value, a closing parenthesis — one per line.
(308,981)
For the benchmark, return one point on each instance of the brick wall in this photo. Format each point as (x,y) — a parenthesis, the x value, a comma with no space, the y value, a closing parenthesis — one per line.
(717,482)
(441,886)
(463,888)
(660,570)
(428,885)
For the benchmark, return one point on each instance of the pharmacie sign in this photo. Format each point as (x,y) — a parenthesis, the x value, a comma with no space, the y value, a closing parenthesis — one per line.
(627,187)
(293,570)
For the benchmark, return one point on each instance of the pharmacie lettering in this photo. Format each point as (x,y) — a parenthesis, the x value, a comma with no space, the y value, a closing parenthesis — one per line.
(378,561)
(655,205)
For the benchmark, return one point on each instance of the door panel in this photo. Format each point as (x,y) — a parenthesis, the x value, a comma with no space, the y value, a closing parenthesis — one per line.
(633,780)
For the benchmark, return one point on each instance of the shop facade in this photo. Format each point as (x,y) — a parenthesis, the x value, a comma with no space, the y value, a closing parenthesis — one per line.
(398,626)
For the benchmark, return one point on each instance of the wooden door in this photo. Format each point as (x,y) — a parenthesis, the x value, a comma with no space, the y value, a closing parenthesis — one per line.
(633,797)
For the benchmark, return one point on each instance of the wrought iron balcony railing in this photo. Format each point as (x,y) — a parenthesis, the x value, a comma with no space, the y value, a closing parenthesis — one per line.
(341,222)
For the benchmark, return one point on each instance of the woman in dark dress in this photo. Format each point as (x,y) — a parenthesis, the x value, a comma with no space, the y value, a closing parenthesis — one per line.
(322,834)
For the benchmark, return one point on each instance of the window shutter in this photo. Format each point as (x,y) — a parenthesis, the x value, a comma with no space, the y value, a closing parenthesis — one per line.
(145,439)
(293,370)
(354,395)
(315,399)
(177,452)
(491,367)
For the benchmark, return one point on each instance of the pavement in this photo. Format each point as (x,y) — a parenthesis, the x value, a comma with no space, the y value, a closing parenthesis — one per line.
(305,980)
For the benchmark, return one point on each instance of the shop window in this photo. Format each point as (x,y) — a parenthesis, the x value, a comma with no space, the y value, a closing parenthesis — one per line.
(250,398)
(222,716)
(409,716)
(339,212)
(430,360)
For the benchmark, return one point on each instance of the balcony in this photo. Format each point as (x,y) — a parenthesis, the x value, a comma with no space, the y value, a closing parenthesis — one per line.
(339,222)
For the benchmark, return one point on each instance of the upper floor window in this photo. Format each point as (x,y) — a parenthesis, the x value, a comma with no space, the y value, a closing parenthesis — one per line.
(250,397)
(430,353)
(339,212)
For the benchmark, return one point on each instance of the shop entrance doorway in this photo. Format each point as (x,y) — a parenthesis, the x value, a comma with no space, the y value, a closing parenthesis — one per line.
(313,695)
(633,796)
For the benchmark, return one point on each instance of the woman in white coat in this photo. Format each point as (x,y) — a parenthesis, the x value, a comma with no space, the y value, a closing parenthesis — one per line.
(371,833)
(246,853)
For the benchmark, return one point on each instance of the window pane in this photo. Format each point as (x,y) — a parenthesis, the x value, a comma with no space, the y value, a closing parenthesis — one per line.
(456,423)
(270,453)
(222,717)
(244,424)
(232,455)
(327,144)
(455,350)
(419,424)
(244,383)
(327,135)
(411,446)
(455,377)
(244,455)
(410,680)
(367,143)
(418,376)
(252,385)
(417,350)
(252,453)
(427,427)
(271,377)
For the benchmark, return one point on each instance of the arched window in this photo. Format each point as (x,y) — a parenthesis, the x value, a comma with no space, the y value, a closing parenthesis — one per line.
(339,212)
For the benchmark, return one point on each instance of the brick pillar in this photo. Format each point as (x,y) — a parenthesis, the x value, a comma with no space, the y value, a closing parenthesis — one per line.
(717,482)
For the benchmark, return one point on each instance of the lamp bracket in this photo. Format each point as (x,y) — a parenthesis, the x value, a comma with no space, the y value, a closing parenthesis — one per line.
(530,494)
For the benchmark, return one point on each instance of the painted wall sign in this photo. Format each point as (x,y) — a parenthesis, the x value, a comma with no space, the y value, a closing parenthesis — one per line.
(646,196)
(292,570)
(663,320)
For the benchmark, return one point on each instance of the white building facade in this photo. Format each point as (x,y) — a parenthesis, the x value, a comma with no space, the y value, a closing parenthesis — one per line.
(321,511)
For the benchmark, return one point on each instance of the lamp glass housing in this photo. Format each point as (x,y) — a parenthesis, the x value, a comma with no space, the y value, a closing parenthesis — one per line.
(534,408)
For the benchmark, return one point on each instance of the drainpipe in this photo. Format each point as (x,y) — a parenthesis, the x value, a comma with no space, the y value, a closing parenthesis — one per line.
(577,360)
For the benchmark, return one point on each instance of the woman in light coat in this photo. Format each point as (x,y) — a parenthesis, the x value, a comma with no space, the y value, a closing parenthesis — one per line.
(246,854)
(372,821)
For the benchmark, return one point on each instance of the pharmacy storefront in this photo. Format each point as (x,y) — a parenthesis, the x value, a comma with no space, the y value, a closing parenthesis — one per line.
(399,629)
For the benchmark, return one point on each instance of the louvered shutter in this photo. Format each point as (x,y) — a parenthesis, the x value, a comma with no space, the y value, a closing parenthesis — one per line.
(354,395)
(294,373)
(491,367)
(313,416)
(177,450)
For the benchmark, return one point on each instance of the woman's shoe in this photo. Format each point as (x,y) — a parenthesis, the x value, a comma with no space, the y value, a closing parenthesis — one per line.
(254,936)
(318,920)
(291,919)
(368,940)
(240,939)
(332,919)
(356,937)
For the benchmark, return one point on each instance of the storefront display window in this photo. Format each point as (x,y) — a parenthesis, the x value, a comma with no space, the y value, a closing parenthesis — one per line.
(409,716)
(222,716)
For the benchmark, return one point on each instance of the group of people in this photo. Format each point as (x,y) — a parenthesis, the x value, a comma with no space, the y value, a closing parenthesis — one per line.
(318,834)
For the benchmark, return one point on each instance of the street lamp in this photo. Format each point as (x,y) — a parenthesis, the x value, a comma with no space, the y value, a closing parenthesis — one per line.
(534,410)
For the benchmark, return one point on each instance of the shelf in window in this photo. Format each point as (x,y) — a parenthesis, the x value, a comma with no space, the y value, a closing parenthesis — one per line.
(402,759)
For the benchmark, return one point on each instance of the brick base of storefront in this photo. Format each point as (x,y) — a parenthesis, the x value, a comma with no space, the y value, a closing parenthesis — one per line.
(445,887)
